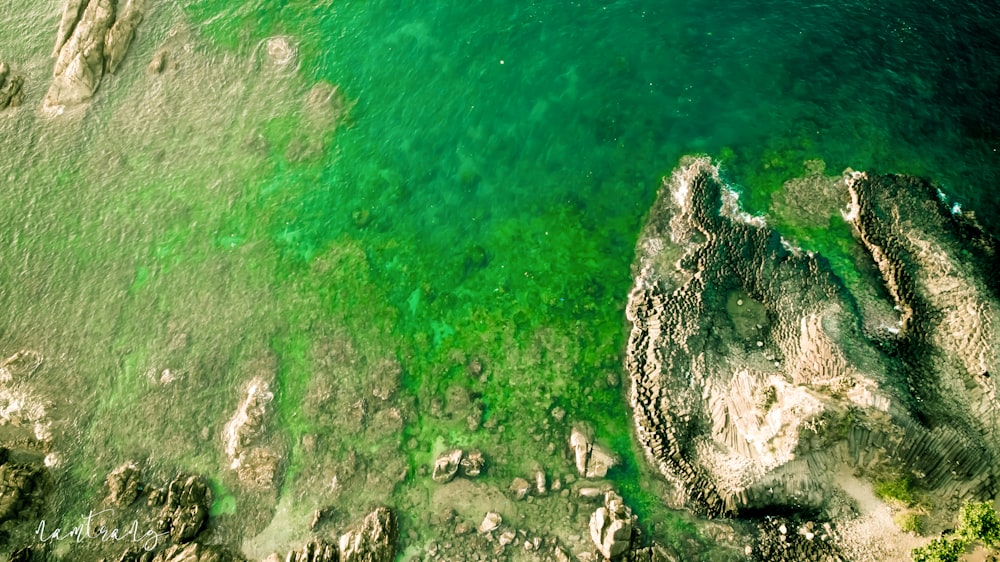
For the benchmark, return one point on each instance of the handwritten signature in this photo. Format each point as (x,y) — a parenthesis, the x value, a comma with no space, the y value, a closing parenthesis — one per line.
(86,531)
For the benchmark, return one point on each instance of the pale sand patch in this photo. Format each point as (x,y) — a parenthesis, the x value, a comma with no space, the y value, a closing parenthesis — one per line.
(872,535)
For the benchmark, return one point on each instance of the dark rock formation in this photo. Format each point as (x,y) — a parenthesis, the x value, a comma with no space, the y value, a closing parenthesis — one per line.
(752,381)
(22,486)
(93,38)
(10,87)
(186,509)
(781,540)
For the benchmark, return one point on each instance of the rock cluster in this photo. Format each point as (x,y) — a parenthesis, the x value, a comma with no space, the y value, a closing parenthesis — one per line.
(21,487)
(454,462)
(93,38)
(10,87)
(373,540)
(194,552)
(752,379)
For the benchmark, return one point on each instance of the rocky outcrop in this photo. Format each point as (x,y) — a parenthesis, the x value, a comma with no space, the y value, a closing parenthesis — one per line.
(313,551)
(10,87)
(372,541)
(93,38)
(611,526)
(21,487)
(752,380)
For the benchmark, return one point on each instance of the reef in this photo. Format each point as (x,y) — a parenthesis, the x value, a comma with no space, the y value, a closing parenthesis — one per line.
(757,388)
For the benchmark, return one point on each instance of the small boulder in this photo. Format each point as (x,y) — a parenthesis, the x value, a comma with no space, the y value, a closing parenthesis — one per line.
(490,523)
(520,488)
(446,466)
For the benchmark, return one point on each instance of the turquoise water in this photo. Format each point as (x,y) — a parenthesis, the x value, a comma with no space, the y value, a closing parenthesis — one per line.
(469,223)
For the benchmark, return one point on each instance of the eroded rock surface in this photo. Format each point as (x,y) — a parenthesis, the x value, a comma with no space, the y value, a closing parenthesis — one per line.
(751,378)
(93,38)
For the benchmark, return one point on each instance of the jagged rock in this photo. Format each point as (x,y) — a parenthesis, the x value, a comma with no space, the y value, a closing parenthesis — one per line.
(123,484)
(21,486)
(186,509)
(241,436)
(752,380)
(611,526)
(195,552)
(92,39)
(473,463)
(446,466)
(373,541)
(592,461)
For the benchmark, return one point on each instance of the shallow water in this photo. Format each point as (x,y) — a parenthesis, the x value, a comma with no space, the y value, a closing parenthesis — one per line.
(463,214)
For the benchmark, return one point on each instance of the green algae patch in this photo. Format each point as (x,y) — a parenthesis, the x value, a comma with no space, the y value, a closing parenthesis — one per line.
(223,501)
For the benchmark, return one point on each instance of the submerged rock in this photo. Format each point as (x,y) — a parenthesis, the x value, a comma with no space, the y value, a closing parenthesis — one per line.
(752,381)
(93,38)
(123,485)
(10,87)
(21,488)
(243,435)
